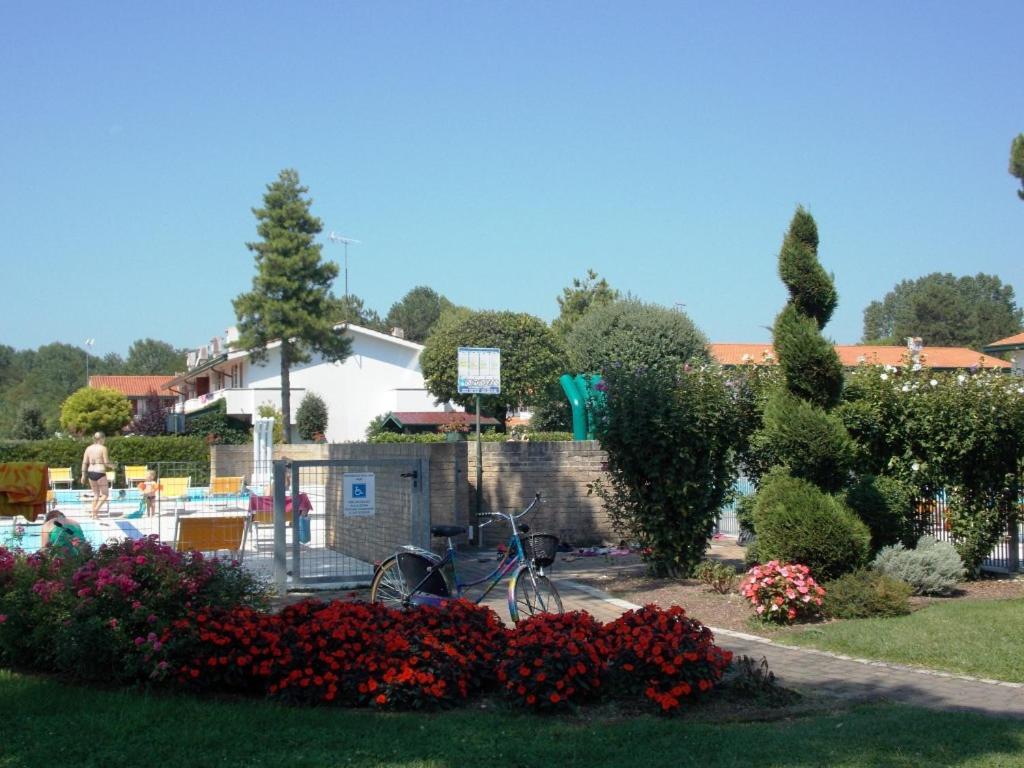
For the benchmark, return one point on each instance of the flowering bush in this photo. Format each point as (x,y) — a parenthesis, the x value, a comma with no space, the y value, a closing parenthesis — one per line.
(662,655)
(553,661)
(782,593)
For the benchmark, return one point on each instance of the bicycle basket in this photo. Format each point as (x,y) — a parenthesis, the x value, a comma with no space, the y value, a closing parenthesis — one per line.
(540,547)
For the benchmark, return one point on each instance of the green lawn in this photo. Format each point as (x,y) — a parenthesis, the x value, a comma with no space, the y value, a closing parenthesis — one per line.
(983,638)
(46,724)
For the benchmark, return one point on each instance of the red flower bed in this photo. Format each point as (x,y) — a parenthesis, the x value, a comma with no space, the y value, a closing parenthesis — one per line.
(553,662)
(662,655)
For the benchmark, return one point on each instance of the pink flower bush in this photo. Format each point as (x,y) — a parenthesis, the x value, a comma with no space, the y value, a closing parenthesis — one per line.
(782,593)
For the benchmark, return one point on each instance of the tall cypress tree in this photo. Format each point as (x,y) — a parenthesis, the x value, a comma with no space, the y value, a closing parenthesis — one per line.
(290,300)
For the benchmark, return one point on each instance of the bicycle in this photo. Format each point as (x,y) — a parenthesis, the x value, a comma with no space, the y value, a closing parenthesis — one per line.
(416,576)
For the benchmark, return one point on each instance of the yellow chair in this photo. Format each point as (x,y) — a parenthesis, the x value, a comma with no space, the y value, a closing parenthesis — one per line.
(226,486)
(134,474)
(173,489)
(60,476)
(211,533)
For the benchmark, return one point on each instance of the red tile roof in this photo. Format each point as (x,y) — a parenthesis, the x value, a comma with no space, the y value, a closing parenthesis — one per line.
(1017,341)
(133,386)
(437,418)
(852,355)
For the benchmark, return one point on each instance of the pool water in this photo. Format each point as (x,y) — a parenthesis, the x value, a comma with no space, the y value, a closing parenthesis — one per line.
(96,532)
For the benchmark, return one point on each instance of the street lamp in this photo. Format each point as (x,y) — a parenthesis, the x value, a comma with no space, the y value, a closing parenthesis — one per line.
(88,345)
(346,241)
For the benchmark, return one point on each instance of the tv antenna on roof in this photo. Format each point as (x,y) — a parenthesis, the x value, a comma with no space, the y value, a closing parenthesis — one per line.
(346,241)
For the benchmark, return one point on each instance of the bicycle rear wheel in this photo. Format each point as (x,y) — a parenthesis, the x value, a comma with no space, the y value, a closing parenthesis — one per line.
(389,586)
(530,593)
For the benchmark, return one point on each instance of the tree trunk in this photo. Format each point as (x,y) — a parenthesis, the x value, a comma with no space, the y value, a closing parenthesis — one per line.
(286,393)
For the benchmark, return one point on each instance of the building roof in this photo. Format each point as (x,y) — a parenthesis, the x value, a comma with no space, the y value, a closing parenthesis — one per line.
(438,418)
(852,355)
(1005,345)
(133,386)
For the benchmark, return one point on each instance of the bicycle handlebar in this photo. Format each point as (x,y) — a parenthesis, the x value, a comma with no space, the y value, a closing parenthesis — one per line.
(509,516)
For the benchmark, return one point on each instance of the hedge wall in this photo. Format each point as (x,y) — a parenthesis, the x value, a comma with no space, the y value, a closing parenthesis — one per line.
(67,452)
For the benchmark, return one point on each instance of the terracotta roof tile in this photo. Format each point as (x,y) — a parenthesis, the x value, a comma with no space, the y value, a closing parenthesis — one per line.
(133,386)
(852,355)
(1017,340)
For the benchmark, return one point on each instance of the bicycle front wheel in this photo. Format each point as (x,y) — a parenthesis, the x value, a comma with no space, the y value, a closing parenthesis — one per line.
(389,586)
(530,593)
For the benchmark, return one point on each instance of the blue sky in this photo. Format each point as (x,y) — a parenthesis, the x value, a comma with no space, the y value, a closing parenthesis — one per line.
(496,150)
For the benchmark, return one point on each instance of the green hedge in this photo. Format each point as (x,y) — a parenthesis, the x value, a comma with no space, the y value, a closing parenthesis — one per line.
(488,437)
(67,452)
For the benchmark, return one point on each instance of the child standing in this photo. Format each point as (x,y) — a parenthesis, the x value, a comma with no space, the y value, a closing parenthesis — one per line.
(149,488)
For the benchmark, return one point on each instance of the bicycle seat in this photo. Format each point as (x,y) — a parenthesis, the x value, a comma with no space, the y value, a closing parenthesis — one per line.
(447,530)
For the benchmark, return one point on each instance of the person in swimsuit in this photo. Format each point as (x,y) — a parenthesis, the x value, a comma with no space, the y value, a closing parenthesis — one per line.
(95,461)
(61,532)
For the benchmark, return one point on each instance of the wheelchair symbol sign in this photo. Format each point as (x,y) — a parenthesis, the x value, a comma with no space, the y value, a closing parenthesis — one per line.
(359,494)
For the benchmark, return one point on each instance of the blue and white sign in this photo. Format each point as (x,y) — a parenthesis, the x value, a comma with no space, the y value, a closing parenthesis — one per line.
(479,371)
(359,493)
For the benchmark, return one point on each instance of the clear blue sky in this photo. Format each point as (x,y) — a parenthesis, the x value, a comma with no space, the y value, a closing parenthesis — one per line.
(496,150)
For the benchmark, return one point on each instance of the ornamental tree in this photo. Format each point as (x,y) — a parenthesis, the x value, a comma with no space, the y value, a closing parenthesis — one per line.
(95,410)
(532,358)
(311,418)
(290,302)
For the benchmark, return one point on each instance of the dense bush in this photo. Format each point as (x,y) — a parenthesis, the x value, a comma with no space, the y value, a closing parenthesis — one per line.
(215,426)
(932,568)
(798,523)
(136,450)
(90,410)
(669,435)
(719,577)
(864,593)
(663,656)
(782,592)
(311,417)
(886,505)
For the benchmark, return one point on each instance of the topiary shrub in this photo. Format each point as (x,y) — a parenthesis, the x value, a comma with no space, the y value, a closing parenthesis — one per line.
(865,593)
(798,523)
(886,505)
(933,568)
(311,417)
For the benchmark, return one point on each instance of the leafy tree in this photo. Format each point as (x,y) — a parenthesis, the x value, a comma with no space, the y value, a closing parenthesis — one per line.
(44,377)
(95,410)
(417,312)
(1017,162)
(633,334)
(31,425)
(579,298)
(290,301)
(532,358)
(149,357)
(153,419)
(944,310)
(311,418)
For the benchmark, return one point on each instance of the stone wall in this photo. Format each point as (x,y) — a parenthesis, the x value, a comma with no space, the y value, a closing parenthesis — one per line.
(512,473)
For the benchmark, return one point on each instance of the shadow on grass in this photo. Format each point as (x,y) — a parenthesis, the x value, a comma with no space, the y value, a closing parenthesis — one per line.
(46,724)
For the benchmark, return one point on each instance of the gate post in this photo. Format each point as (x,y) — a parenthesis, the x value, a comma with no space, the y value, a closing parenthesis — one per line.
(280,555)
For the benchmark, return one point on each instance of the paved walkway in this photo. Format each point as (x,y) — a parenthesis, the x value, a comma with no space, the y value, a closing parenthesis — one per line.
(829,674)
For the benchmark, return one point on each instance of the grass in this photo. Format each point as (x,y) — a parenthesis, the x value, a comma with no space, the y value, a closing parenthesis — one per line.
(981,638)
(48,724)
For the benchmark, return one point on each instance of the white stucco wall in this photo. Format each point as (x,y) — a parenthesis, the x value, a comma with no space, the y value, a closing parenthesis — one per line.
(381,375)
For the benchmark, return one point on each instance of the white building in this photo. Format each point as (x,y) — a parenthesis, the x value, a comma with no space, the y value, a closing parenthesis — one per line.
(381,375)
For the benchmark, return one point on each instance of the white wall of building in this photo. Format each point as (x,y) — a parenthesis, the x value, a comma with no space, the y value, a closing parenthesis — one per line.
(382,374)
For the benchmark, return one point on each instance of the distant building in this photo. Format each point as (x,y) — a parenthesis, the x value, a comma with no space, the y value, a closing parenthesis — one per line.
(137,389)
(1015,346)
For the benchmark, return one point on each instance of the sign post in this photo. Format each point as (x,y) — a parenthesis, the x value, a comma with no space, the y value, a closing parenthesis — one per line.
(479,374)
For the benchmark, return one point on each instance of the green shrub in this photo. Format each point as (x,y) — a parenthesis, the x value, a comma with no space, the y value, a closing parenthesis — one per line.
(721,578)
(865,593)
(311,417)
(933,568)
(886,505)
(91,410)
(215,426)
(798,523)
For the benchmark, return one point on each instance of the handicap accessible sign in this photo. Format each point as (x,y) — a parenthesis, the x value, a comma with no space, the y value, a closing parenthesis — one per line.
(359,494)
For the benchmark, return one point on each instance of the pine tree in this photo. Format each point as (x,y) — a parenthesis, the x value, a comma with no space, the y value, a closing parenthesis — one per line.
(290,299)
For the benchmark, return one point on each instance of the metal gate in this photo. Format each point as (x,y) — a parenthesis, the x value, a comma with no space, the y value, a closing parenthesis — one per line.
(333,519)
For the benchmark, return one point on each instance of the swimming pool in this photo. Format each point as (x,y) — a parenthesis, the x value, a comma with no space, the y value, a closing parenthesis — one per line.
(96,532)
(133,496)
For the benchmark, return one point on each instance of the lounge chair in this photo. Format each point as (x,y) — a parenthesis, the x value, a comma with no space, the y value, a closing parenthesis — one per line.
(173,489)
(60,476)
(224,489)
(211,533)
(134,474)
